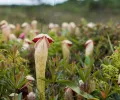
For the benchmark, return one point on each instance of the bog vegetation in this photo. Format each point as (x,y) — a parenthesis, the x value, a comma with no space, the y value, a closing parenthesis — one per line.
(60,62)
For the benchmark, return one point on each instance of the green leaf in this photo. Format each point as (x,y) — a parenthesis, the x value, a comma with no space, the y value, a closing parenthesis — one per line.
(81,73)
(21,81)
(87,60)
(20,96)
(3,98)
(56,97)
(111,46)
(75,88)
(47,80)
(88,72)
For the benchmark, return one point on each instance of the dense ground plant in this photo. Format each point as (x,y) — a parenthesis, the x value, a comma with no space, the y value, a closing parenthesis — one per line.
(13,70)
(81,64)
(107,77)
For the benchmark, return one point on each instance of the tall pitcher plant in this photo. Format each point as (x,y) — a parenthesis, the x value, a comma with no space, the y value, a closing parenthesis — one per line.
(42,42)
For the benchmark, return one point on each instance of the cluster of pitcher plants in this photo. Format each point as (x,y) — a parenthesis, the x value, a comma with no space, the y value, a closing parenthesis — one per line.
(65,62)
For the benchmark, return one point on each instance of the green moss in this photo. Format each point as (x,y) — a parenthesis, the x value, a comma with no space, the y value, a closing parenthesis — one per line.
(110,72)
(115,58)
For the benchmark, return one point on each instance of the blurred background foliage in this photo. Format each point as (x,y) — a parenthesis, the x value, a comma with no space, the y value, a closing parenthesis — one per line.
(89,9)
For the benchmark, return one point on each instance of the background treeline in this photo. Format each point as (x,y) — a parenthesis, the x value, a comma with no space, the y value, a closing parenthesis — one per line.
(72,10)
(99,4)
